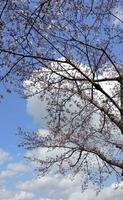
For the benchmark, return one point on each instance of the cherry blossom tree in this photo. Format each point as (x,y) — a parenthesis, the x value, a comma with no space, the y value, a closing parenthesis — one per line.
(71,54)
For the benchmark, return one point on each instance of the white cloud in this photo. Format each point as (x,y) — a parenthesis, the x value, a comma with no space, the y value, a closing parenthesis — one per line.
(6,194)
(53,186)
(37,110)
(57,188)
(48,199)
(13,169)
(22,195)
(4,156)
(108,193)
(36,107)
(60,187)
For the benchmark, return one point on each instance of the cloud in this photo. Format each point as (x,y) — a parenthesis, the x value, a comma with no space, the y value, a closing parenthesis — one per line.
(37,110)
(110,193)
(37,107)
(59,187)
(118,16)
(10,170)
(13,169)
(50,187)
(4,156)
(6,194)
(53,186)
(22,195)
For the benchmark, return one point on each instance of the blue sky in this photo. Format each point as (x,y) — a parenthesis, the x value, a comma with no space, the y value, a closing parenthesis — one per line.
(14,115)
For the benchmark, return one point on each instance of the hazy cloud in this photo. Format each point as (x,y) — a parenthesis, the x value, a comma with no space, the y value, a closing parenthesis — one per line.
(13,169)
(118,16)
(4,156)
